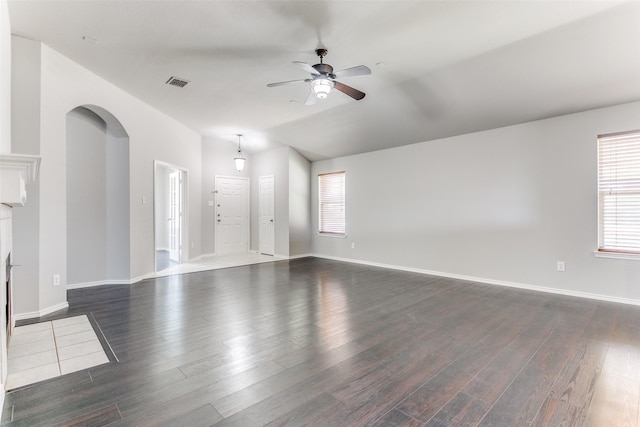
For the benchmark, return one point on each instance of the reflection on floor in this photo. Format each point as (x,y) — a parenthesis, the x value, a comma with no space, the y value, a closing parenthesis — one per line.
(164,261)
(49,349)
(215,262)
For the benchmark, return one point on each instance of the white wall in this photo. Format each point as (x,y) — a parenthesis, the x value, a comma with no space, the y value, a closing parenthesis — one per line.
(501,206)
(5,147)
(5,78)
(118,207)
(97,200)
(299,204)
(25,135)
(63,86)
(86,197)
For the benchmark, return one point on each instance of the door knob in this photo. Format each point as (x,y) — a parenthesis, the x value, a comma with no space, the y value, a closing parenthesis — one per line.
(271,220)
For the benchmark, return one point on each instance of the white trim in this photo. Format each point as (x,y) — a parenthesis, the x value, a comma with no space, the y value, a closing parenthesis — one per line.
(131,281)
(99,283)
(27,164)
(332,235)
(557,291)
(15,171)
(201,256)
(299,256)
(184,226)
(616,255)
(43,312)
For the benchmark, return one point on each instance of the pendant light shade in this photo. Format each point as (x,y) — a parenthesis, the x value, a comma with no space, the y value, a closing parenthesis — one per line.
(239,159)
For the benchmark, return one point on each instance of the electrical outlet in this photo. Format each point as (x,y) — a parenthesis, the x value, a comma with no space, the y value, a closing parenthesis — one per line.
(56,280)
(353,245)
(560,266)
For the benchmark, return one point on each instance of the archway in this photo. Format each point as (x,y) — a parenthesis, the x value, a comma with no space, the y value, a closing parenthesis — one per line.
(98,232)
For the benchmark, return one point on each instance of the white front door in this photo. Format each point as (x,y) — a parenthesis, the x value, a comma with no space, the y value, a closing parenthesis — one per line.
(175,216)
(266,222)
(232,215)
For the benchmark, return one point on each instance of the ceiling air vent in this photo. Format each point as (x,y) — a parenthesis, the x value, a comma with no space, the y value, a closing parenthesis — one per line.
(175,81)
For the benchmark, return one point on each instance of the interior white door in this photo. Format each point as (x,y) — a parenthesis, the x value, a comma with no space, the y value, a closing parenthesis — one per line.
(175,216)
(232,215)
(266,223)
(266,214)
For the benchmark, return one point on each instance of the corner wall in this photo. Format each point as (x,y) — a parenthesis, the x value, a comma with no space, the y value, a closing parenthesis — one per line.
(63,86)
(299,204)
(500,206)
(5,78)
(273,162)
(5,147)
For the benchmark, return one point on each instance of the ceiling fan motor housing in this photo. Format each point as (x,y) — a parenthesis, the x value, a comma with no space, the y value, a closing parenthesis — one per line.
(325,69)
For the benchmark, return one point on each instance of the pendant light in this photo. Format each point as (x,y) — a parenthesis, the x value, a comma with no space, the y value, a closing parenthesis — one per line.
(239,159)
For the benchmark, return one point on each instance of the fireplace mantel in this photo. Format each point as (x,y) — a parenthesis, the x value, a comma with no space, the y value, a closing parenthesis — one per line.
(16,170)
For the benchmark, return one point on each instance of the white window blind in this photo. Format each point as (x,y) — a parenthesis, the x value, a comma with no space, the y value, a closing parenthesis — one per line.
(619,192)
(331,195)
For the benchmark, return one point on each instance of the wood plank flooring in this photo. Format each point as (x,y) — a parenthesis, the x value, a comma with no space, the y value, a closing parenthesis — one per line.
(324,343)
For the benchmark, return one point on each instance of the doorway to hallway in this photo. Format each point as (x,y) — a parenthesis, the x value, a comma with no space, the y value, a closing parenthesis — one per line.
(169,214)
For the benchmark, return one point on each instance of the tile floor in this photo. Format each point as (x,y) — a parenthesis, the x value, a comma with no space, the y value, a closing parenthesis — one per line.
(49,349)
(213,262)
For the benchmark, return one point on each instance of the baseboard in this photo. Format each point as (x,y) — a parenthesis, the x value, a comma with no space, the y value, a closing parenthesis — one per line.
(524,286)
(300,256)
(100,283)
(201,256)
(43,312)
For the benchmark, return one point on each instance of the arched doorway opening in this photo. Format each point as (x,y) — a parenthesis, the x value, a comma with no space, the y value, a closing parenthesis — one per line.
(98,229)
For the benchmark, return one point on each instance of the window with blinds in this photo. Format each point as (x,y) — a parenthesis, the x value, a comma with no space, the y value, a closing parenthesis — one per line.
(331,198)
(619,192)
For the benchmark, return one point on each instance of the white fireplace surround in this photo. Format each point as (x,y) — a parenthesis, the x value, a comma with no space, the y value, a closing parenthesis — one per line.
(16,170)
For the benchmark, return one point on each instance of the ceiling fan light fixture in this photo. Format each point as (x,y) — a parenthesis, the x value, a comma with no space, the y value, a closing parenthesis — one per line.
(239,159)
(321,87)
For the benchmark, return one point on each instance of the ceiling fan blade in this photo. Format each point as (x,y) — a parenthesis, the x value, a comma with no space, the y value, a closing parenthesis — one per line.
(311,99)
(287,82)
(308,68)
(352,92)
(360,70)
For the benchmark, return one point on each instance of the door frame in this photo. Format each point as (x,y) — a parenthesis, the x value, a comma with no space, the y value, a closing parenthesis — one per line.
(175,224)
(184,253)
(273,213)
(215,210)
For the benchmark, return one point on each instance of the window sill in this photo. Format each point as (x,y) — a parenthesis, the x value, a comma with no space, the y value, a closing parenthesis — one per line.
(333,236)
(616,255)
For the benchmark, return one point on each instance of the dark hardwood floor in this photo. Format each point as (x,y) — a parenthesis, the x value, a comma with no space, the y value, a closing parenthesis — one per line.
(324,343)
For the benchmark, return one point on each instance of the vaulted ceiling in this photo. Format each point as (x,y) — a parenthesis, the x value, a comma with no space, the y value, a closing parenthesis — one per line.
(439,68)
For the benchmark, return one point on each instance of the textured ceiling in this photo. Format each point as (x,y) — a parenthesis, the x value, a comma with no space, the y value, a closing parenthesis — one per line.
(439,68)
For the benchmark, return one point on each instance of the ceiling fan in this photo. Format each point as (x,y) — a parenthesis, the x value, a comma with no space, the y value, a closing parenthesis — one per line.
(323,79)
